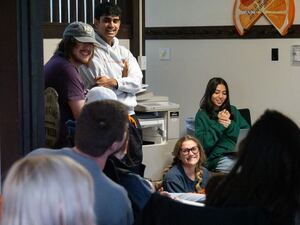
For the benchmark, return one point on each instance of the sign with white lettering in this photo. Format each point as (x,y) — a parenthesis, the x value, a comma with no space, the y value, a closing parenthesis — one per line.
(280,13)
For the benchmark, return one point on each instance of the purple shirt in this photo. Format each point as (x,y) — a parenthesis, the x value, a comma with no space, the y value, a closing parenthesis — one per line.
(63,76)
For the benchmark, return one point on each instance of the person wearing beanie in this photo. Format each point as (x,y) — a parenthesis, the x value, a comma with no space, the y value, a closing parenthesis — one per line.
(61,73)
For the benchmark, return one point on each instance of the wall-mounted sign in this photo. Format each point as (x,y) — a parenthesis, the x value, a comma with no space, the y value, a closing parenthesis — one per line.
(280,13)
(295,55)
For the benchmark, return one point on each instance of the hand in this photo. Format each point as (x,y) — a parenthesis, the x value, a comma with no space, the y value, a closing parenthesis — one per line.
(201,191)
(223,118)
(107,82)
(224,114)
(225,122)
(164,193)
(125,69)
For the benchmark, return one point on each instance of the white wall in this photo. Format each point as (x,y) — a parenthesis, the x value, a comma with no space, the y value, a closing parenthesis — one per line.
(50,46)
(254,80)
(164,13)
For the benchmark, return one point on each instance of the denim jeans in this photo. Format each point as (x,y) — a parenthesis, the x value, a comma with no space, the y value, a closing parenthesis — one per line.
(225,164)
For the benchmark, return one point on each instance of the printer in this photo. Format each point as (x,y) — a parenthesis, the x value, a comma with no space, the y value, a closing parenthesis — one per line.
(159,119)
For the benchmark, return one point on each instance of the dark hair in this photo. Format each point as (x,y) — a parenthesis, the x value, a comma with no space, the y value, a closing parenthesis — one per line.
(267,171)
(66,46)
(206,103)
(199,166)
(107,9)
(213,182)
(99,125)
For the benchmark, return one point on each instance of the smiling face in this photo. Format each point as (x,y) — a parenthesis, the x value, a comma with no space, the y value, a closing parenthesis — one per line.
(82,53)
(107,27)
(219,96)
(189,153)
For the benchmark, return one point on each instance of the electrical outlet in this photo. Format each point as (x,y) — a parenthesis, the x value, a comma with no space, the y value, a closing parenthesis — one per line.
(275,54)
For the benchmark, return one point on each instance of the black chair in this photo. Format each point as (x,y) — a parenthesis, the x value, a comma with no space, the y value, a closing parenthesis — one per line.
(245,112)
(161,210)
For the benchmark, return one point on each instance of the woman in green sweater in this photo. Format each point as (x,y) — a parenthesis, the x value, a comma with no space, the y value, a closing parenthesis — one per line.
(217,126)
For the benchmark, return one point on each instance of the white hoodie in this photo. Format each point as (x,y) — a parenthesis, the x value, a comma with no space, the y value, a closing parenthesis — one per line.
(109,61)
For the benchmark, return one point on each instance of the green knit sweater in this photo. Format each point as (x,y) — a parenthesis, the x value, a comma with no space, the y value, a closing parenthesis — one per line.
(215,138)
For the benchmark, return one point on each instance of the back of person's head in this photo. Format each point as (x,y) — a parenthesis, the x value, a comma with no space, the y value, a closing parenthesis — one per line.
(267,170)
(99,125)
(213,182)
(272,151)
(48,190)
(206,103)
(107,9)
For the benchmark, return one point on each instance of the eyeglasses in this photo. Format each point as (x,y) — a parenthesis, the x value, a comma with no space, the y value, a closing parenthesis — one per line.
(186,151)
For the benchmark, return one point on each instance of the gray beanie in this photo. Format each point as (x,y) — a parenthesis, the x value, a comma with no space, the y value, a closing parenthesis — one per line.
(82,32)
(100,93)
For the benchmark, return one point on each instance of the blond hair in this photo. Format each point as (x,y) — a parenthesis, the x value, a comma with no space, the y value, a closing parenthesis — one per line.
(48,190)
(199,165)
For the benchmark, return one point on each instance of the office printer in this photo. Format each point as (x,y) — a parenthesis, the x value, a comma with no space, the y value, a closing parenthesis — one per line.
(158,117)
(160,121)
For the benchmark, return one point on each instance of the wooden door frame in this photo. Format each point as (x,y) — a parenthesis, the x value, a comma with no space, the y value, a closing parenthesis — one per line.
(22,81)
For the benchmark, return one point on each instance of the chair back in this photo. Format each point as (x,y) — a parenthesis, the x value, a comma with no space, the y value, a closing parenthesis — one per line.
(190,126)
(159,208)
(52,117)
(245,112)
